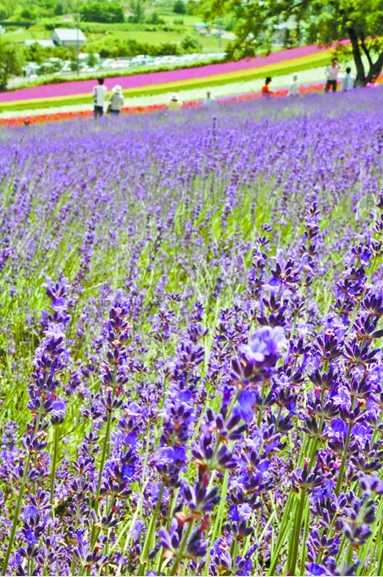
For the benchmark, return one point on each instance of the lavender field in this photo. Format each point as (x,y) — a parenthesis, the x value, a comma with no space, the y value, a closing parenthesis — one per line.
(191,342)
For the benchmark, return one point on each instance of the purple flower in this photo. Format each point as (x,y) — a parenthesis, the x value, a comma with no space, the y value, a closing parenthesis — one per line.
(247,401)
(257,359)
(317,569)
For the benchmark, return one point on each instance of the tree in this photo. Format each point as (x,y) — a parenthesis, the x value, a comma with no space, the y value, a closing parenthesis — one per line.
(179,7)
(28,13)
(319,21)
(59,9)
(35,53)
(3,12)
(73,64)
(155,19)
(101,11)
(92,59)
(137,9)
(190,44)
(11,62)
(192,7)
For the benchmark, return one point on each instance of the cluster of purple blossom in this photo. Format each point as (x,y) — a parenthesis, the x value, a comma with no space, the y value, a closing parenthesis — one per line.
(191,360)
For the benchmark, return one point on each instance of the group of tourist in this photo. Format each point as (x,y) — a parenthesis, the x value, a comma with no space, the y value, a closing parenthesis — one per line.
(333,73)
(114,102)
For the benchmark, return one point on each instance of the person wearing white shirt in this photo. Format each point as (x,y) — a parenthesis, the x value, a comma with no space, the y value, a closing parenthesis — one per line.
(332,73)
(294,87)
(348,80)
(208,100)
(99,95)
(116,101)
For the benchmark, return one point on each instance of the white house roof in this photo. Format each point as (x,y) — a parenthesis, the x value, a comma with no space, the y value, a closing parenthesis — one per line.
(69,35)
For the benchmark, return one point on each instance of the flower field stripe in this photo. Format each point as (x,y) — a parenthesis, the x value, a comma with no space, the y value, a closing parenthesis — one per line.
(61,116)
(310,88)
(292,66)
(151,79)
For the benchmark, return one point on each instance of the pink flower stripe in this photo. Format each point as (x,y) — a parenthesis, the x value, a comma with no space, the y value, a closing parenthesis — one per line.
(151,79)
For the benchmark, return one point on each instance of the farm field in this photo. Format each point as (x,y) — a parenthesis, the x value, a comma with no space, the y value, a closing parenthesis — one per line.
(152,35)
(279,63)
(191,346)
(171,28)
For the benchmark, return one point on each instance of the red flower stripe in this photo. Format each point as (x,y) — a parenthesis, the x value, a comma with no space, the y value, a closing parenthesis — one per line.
(60,116)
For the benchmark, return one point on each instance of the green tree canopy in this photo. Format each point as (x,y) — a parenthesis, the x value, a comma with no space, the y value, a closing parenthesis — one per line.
(179,7)
(319,21)
(137,9)
(102,11)
(11,62)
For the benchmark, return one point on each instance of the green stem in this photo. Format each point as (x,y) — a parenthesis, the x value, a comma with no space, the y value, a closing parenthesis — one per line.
(219,518)
(380,566)
(109,509)
(149,534)
(349,556)
(379,543)
(16,515)
(18,503)
(305,536)
(234,553)
(181,550)
(128,527)
(30,566)
(304,449)
(170,516)
(313,452)
(294,545)
(281,535)
(342,469)
(54,465)
(160,562)
(104,456)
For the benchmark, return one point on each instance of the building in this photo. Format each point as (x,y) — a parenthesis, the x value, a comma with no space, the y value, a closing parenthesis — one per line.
(68,37)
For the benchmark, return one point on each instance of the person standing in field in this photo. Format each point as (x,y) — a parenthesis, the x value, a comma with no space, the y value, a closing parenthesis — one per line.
(208,100)
(332,73)
(116,101)
(174,104)
(266,88)
(99,96)
(294,87)
(348,80)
